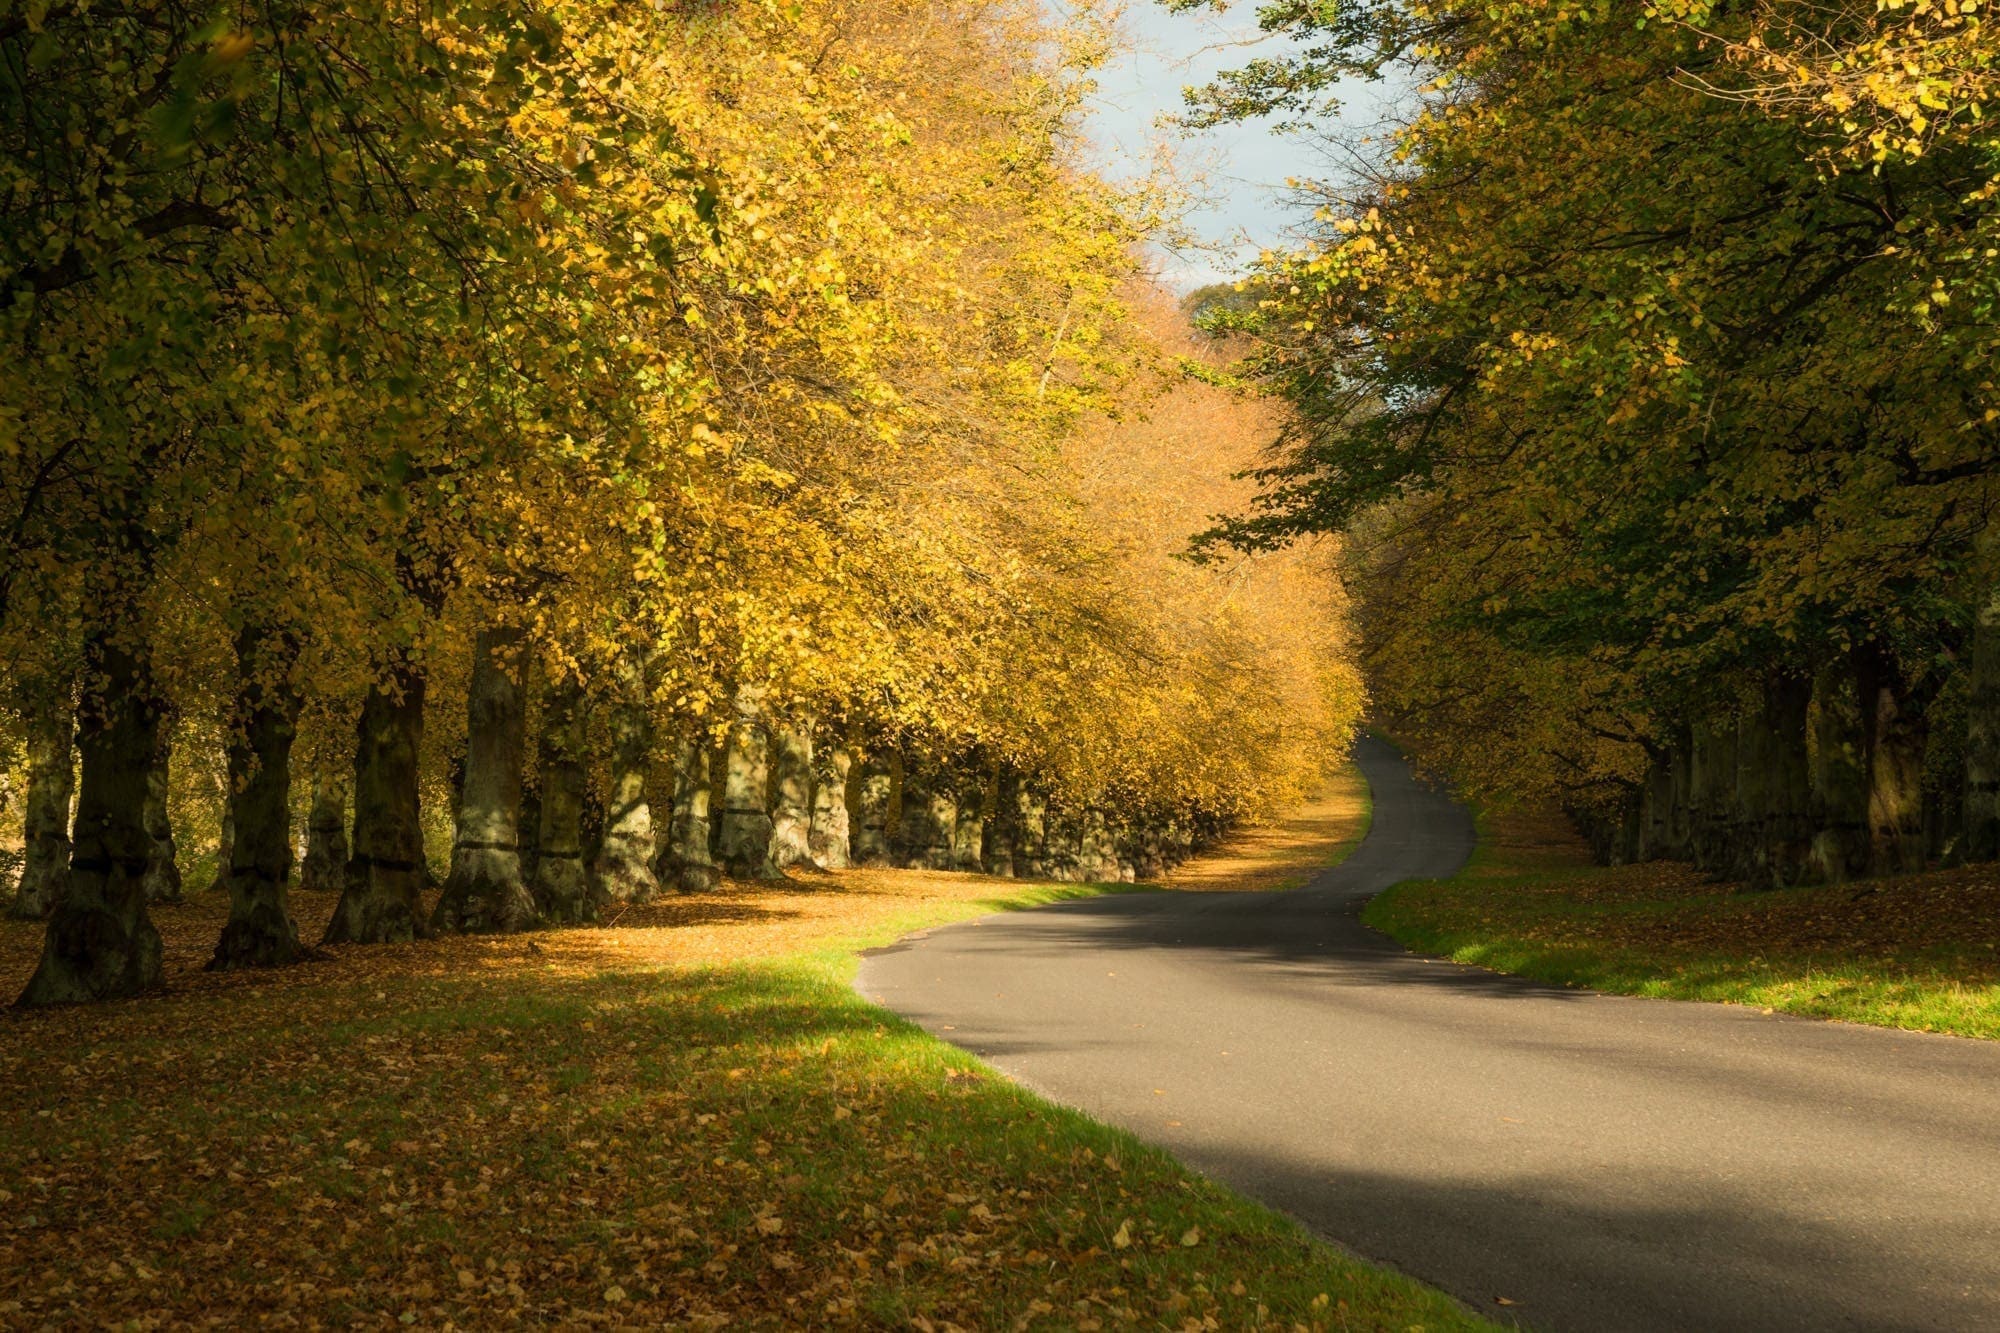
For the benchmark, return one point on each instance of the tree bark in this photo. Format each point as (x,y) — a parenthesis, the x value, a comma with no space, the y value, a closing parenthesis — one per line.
(1000,843)
(1896,733)
(1656,840)
(163,871)
(325,862)
(1714,811)
(1787,813)
(51,777)
(1031,855)
(381,898)
(694,868)
(829,837)
(744,845)
(562,885)
(1840,775)
(260,931)
(1981,840)
(623,871)
(791,797)
(485,893)
(1062,844)
(930,816)
(100,942)
(968,839)
(1097,859)
(871,825)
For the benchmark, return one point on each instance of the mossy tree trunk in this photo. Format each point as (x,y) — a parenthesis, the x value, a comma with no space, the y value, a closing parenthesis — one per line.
(693,863)
(930,815)
(1787,812)
(1840,775)
(1714,813)
(1896,733)
(485,892)
(791,783)
(1000,844)
(873,789)
(830,838)
(744,843)
(260,931)
(1031,856)
(1981,841)
(100,942)
(968,834)
(51,782)
(163,869)
(561,884)
(623,871)
(381,898)
(326,838)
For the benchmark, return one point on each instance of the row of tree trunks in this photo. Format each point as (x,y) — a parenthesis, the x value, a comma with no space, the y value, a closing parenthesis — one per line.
(1816,779)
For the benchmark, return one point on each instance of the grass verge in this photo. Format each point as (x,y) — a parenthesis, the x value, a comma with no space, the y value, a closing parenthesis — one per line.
(1911,951)
(691,1120)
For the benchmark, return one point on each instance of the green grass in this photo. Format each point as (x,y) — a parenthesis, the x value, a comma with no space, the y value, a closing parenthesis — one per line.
(1818,952)
(645,1145)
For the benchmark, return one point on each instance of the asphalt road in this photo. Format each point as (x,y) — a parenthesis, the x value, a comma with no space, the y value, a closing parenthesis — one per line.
(1604,1163)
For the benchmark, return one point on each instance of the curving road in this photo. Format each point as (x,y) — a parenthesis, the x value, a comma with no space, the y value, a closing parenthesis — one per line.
(1603,1163)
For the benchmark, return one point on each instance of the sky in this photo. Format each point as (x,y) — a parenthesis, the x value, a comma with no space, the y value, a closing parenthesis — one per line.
(1243,168)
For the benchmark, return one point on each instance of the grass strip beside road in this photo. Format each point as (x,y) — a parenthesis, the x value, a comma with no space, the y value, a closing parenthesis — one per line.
(1909,951)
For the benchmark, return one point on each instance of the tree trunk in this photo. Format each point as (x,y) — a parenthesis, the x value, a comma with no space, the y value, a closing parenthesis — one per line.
(1031,856)
(51,775)
(1062,842)
(1656,841)
(100,942)
(1714,813)
(381,899)
(1896,733)
(325,865)
(930,816)
(485,893)
(1787,811)
(791,797)
(1981,840)
(163,871)
(562,884)
(693,863)
(623,872)
(1840,775)
(260,931)
(829,837)
(744,846)
(1002,834)
(871,826)
(1098,855)
(969,832)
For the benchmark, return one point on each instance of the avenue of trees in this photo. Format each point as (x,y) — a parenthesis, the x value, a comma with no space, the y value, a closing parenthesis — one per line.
(628,443)
(1650,366)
